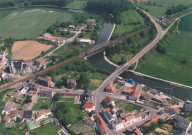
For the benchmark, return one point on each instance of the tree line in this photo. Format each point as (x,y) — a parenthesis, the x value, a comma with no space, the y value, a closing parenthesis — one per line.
(113,7)
(176,9)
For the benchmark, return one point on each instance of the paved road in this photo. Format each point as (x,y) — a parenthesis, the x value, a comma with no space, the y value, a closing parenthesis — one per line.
(99,92)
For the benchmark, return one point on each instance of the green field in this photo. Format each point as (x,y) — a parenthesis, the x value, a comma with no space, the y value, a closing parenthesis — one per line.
(155,10)
(130,16)
(169,3)
(29,24)
(77,5)
(42,102)
(47,129)
(176,64)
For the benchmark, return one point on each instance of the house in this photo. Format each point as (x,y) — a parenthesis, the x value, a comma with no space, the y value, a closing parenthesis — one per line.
(118,124)
(188,106)
(106,102)
(154,119)
(40,62)
(33,91)
(19,67)
(128,91)
(42,114)
(2,60)
(182,125)
(71,27)
(27,115)
(71,84)
(10,106)
(48,94)
(87,103)
(171,112)
(23,90)
(137,92)
(110,88)
(44,81)
(86,41)
(109,117)
(17,113)
(100,126)
(129,119)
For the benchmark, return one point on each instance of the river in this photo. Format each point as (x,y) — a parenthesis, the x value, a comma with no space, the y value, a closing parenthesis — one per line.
(99,62)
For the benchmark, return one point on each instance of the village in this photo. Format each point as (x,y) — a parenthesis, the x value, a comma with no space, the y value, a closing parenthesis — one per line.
(128,107)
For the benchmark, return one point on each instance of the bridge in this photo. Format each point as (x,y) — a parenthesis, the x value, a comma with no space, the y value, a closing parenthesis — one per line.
(92,51)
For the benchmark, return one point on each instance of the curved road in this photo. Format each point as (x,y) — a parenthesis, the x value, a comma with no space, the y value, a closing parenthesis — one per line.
(99,94)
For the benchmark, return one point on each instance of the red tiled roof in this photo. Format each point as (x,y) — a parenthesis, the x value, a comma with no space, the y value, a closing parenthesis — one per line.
(154,119)
(107,109)
(101,124)
(138,132)
(89,121)
(88,105)
(7,118)
(13,113)
(43,112)
(129,117)
(128,90)
(109,87)
(177,110)
(123,121)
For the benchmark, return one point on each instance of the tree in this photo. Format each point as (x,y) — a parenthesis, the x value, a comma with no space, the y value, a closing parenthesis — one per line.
(28,99)
(160,122)
(57,97)
(153,125)
(42,53)
(161,49)
(59,114)
(123,61)
(3,48)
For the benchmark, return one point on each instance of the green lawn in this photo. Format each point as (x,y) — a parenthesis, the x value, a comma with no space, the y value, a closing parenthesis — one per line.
(47,129)
(29,23)
(42,102)
(118,86)
(169,66)
(122,30)
(130,16)
(127,107)
(117,57)
(155,10)
(77,5)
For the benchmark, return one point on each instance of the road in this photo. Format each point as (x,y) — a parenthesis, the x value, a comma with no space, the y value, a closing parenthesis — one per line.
(69,40)
(99,92)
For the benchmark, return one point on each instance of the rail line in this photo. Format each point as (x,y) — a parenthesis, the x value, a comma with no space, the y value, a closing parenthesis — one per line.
(93,50)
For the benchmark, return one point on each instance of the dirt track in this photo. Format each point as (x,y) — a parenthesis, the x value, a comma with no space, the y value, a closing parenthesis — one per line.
(25,50)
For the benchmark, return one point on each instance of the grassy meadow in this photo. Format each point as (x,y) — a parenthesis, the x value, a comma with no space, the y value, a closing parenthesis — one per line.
(77,5)
(20,24)
(155,10)
(176,64)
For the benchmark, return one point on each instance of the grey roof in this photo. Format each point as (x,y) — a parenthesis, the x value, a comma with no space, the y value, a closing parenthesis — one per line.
(108,116)
(87,93)
(181,122)
(92,112)
(17,65)
(170,111)
(42,79)
(188,106)
(27,114)
(117,122)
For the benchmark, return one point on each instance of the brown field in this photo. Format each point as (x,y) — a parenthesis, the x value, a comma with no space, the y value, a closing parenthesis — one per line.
(25,50)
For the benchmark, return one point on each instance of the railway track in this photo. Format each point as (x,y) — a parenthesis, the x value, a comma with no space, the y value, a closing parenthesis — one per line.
(93,50)
(42,72)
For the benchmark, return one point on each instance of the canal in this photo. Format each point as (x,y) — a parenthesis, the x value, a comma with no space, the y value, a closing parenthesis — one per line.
(99,62)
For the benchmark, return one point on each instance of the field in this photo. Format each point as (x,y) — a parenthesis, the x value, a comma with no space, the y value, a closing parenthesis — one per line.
(47,129)
(25,50)
(42,102)
(20,24)
(155,10)
(176,64)
(77,5)
(130,16)
(129,22)
(170,3)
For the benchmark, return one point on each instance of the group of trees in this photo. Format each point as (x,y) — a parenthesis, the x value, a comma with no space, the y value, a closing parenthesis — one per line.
(176,9)
(12,3)
(113,7)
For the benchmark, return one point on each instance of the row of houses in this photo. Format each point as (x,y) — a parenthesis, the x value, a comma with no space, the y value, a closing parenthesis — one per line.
(26,66)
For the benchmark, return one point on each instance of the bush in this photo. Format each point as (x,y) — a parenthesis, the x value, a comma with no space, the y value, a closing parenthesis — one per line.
(161,49)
